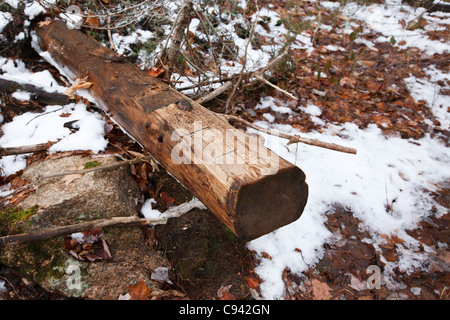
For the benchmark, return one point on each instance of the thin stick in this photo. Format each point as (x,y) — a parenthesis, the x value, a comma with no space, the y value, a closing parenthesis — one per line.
(255,74)
(292,138)
(9,151)
(270,65)
(276,87)
(60,231)
(113,46)
(215,93)
(244,64)
(102,167)
(172,212)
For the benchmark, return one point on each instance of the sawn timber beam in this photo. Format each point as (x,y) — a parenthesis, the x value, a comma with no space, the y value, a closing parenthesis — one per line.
(249,188)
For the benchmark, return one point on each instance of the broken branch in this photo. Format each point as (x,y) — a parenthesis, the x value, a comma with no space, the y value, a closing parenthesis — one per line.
(10,151)
(255,74)
(215,93)
(61,231)
(274,86)
(292,138)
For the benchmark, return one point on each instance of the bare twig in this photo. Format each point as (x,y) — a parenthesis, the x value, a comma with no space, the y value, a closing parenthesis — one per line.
(60,231)
(215,93)
(244,64)
(172,212)
(274,86)
(255,74)
(270,65)
(175,212)
(292,138)
(9,151)
(113,47)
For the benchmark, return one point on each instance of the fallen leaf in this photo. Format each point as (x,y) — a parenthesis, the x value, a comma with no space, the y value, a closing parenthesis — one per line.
(224,293)
(79,83)
(139,291)
(266,255)
(392,238)
(155,72)
(87,245)
(228,296)
(320,290)
(381,120)
(368,63)
(252,283)
(166,200)
(16,198)
(92,21)
(17,182)
(44,23)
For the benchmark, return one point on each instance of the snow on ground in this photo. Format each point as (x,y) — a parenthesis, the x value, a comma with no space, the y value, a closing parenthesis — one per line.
(31,128)
(392,171)
(15,70)
(385,170)
(385,19)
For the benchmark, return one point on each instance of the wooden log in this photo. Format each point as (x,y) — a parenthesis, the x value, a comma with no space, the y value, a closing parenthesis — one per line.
(251,192)
(9,151)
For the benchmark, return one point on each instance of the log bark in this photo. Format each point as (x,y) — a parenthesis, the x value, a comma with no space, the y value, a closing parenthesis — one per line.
(252,193)
(41,96)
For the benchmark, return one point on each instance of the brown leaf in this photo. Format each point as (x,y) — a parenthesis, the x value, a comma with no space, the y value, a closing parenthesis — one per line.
(92,21)
(228,296)
(392,238)
(368,63)
(17,182)
(44,23)
(139,291)
(92,235)
(381,120)
(266,255)
(320,290)
(156,72)
(252,283)
(166,200)
(16,198)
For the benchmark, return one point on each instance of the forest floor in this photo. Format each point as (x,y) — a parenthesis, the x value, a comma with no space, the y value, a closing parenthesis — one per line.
(372,75)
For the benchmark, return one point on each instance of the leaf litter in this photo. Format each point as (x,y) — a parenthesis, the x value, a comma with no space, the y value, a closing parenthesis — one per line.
(87,245)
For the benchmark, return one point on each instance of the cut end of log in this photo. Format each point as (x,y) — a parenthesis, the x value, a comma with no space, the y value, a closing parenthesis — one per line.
(270,203)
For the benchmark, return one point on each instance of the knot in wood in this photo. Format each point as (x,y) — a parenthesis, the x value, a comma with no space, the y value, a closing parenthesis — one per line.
(185,105)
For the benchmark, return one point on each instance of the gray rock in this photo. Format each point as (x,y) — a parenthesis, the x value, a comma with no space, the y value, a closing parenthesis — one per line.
(73,199)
